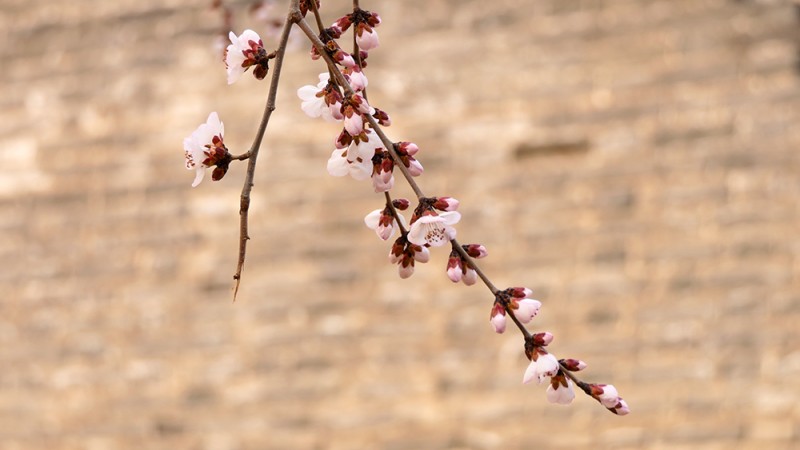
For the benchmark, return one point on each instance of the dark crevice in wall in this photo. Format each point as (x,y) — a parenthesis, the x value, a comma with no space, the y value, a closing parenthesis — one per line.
(526,150)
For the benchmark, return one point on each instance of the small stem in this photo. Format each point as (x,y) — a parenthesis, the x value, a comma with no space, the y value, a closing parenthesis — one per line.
(394,212)
(475,266)
(244,203)
(241,157)
(316,15)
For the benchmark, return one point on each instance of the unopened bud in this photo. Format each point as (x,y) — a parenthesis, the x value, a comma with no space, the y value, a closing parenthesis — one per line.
(573,365)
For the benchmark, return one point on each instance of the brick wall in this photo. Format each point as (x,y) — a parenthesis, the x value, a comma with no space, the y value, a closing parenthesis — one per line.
(634,162)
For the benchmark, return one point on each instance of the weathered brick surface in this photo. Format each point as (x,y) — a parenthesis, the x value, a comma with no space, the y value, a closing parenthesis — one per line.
(634,162)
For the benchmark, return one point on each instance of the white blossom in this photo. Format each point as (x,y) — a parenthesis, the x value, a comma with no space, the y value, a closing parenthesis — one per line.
(197,146)
(545,365)
(434,229)
(238,51)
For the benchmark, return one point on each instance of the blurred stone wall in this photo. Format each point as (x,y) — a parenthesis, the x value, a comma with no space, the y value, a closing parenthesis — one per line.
(634,162)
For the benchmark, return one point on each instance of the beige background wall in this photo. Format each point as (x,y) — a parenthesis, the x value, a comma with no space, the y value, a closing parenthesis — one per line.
(635,162)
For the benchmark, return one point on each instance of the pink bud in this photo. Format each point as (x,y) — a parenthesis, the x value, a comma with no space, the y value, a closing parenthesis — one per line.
(366,37)
(521,292)
(409,148)
(498,318)
(400,203)
(454,268)
(446,204)
(374,19)
(415,168)
(609,397)
(573,365)
(621,409)
(382,117)
(421,254)
(542,339)
(476,251)
(405,271)
(343,58)
(343,140)
(342,24)
(470,277)
(527,309)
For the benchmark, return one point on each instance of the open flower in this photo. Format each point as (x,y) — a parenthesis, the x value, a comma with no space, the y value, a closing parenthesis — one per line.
(434,229)
(356,160)
(246,50)
(204,148)
(339,165)
(542,365)
(322,100)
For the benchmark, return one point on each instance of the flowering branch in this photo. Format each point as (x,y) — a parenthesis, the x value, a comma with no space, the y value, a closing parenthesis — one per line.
(363,150)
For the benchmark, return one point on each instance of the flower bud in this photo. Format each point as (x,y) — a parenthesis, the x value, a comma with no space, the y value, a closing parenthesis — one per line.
(476,251)
(573,365)
(400,203)
(542,339)
(446,204)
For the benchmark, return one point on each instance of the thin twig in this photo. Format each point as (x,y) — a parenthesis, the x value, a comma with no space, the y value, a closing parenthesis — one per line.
(317,15)
(394,212)
(244,204)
